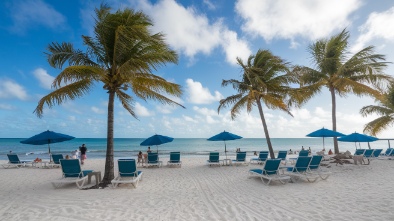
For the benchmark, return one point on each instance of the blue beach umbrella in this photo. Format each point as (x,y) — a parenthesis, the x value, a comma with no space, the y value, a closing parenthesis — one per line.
(356,137)
(325,133)
(156,140)
(223,136)
(47,137)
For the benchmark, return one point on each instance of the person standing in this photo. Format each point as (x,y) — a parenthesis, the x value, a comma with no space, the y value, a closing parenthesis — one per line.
(83,150)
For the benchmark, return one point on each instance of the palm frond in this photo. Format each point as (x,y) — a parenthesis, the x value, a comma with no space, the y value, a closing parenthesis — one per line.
(69,92)
(127,102)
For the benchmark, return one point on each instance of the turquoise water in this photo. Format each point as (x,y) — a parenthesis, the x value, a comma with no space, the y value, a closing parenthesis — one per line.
(129,147)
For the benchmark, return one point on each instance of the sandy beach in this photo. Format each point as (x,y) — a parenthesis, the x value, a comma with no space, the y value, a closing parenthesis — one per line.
(199,192)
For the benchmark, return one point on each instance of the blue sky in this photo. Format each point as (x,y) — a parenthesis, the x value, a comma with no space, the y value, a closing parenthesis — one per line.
(208,35)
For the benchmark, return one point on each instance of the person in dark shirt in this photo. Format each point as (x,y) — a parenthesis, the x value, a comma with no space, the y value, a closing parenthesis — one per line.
(83,150)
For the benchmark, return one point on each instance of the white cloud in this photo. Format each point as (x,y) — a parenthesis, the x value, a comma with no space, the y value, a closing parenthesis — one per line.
(284,19)
(6,107)
(189,119)
(72,118)
(10,89)
(200,95)
(205,111)
(209,4)
(378,26)
(97,110)
(28,13)
(142,111)
(44,78)
(191,33)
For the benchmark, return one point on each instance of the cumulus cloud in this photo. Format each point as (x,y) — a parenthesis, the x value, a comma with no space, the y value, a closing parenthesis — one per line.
(190,32)
(6,107)
(284,19)
(10,89)
(209,4)
(44,78)
(378,26)
(142,111)
(28,13)
(199,94)
(97,110)
(189,119)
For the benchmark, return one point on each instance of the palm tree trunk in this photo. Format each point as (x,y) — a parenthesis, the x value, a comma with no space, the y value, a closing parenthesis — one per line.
(267,136)
(109,160)
(334,119)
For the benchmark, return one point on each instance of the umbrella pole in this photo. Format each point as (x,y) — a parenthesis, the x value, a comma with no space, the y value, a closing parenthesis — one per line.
(225,148)
(323,144)
(49,149)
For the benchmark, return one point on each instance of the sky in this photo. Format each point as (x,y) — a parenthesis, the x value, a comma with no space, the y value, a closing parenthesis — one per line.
(208,36)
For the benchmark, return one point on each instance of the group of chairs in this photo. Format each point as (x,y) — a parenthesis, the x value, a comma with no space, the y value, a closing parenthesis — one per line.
(307,167)
(239,160)
(15,162)
(153,160)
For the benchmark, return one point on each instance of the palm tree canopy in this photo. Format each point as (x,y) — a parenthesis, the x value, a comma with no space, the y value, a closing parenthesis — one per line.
(359,74)
(121,56)
(384,109)
(265,77)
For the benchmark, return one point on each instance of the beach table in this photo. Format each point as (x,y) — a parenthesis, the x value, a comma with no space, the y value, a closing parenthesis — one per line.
(226,162)
(42,164)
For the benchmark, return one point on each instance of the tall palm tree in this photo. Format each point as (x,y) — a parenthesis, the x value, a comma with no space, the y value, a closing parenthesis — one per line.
(385,111)
(265,80)
(121,56)
(360,74)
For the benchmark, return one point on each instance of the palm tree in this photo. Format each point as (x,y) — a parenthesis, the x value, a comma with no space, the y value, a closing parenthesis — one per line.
(265,80)
(121,56)
(385,109)
(360,74)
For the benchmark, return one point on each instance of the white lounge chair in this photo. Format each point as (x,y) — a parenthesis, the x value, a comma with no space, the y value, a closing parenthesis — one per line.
(213,159)
(13,161)
(175,159)
(72,173)
(128,173)
(240,159)
(270,172)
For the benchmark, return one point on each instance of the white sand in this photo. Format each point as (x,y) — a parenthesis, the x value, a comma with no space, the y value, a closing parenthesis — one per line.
(199,192)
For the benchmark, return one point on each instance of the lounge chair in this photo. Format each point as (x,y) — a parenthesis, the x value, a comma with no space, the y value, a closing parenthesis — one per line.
(376,153)
(213,159)
(153,160)
(282,154)
(128,173)
(301,170)
(359,152)
(56,160)
(387,154)
(263,155)
(270,172)
(72,173)
(314,167)
(175,159)
(13,161)
(303,153)
(240,159)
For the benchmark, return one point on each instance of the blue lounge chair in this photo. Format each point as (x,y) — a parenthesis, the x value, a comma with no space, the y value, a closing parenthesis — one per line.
(213,159)
(270,172)
(153,160)
(127,173)
(240,159)
(72,173)
(282,154)
(359,152)
(376,153)
(13,161)
(56,160)
(387,154)
(303,153)
(314,167)
(301,170)
(175,159)
(263,155)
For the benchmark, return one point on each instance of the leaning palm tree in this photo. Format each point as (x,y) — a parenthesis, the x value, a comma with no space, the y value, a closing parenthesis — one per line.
(385,111)
(265,80)
(121,56)
(360,74)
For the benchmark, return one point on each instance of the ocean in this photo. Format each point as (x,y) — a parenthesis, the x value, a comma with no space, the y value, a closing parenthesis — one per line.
(129,147)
